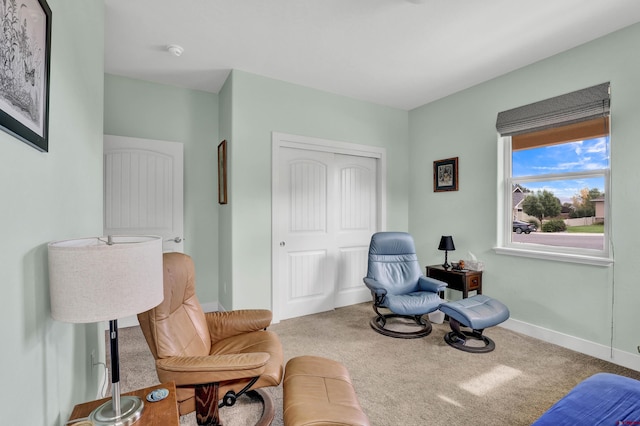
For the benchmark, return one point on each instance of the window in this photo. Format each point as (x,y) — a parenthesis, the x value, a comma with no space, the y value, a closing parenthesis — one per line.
(555,173)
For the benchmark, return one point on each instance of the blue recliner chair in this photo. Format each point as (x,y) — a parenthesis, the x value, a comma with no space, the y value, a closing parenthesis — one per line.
(398,285)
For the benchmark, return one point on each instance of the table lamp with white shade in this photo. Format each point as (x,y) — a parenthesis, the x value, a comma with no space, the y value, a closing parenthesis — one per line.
(103,279)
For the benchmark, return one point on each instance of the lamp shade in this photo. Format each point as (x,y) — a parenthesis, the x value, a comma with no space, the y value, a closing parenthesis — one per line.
(446,243)
(92,279)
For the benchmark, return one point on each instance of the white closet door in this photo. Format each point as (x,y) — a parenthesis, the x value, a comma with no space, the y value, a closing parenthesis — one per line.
(327,204)
(355,204)
(306,250)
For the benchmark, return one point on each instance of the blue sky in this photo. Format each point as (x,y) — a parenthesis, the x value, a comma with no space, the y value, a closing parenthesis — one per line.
(579,156)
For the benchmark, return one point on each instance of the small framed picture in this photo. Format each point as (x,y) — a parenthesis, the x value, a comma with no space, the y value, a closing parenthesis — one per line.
(25,49)
(445,175)
(222,172)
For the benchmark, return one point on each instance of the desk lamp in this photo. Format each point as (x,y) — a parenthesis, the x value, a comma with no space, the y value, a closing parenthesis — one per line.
(446,244)
(103,279)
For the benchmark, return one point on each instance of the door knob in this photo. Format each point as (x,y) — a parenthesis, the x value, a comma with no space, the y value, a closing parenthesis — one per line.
(281,243)
(175,240)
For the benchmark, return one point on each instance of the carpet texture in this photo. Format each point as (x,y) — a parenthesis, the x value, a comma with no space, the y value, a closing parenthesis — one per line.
(411,382)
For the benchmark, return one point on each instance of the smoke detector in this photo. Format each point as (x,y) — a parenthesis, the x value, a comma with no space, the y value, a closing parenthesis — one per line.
(175,49)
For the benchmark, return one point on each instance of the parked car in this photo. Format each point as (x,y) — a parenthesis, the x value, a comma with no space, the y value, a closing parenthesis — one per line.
(519,227)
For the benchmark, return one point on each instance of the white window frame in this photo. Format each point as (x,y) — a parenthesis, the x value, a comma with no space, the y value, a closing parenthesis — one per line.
(504,226)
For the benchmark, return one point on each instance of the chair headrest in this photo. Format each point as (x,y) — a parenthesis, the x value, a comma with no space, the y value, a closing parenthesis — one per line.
(179,281)
(391,243)
(178,324)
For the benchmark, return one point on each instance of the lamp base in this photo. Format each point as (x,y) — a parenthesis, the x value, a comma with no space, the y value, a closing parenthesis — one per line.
(446,265)
(130,406)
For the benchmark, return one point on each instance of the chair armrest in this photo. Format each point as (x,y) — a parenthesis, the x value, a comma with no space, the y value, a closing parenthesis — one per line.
(197,370)
(232,323)
(431,284)
(374,286)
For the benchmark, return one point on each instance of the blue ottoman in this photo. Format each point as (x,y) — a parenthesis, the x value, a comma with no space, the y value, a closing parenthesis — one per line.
(476,312)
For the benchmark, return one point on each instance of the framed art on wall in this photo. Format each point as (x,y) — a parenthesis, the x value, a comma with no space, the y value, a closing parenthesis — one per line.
(222,172)
(25,51)
(445,175)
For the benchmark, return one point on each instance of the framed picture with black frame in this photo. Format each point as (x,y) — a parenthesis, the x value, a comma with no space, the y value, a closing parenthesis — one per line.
(222,172)
(445,175)
(25,57)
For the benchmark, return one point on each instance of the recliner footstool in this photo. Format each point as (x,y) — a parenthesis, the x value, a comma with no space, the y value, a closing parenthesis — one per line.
(318,392)
(477,313)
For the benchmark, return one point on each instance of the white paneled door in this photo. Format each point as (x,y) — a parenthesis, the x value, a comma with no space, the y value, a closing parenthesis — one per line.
(355,204)
(327,207)
(143,189)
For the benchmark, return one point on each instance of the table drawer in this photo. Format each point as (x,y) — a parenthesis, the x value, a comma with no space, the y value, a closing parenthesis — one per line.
(456,281)
(473,282)
(464,280)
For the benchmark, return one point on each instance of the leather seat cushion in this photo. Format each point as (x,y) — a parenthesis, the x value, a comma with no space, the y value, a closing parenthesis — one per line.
(319,392)
(257,341)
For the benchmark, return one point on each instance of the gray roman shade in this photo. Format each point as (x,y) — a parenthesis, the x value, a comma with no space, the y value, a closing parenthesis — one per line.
(574,107)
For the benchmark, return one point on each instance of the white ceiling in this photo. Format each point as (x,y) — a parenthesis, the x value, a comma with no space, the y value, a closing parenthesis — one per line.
(401,53)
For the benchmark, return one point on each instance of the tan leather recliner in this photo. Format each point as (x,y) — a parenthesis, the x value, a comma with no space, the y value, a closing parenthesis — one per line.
(210,356)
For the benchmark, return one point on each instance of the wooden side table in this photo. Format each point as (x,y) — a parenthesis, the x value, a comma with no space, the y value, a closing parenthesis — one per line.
(163,412)
(464,280)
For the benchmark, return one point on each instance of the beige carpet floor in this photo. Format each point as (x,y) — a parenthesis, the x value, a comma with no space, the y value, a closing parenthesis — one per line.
(411,382)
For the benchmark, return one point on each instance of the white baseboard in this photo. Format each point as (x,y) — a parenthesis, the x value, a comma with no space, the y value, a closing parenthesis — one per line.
(596,350)
(132,321)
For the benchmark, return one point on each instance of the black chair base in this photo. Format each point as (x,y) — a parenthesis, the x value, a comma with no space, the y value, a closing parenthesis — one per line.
(208,413)
(378,323)
(476,313)
(458,339)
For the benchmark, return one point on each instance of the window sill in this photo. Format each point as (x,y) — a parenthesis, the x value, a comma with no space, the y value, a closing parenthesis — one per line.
(555,256)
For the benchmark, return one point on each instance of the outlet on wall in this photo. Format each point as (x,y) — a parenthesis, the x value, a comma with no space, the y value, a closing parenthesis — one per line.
(92,359)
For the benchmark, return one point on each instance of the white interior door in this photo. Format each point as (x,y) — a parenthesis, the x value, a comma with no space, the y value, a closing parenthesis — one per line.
(326,209)
(306,249)
(143,189)
(355,204)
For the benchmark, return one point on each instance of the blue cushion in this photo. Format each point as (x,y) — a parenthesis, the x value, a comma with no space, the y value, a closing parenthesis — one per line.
(391,243)
(416,303)
(602,399)
(477,312)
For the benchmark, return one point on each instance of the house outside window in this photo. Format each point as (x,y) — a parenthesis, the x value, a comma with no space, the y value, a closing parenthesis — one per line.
(555,175)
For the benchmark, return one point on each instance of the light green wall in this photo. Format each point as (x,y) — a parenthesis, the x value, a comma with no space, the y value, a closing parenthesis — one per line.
(44,364)
(568,298)
(142,109)
(225,211)
(260,106)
